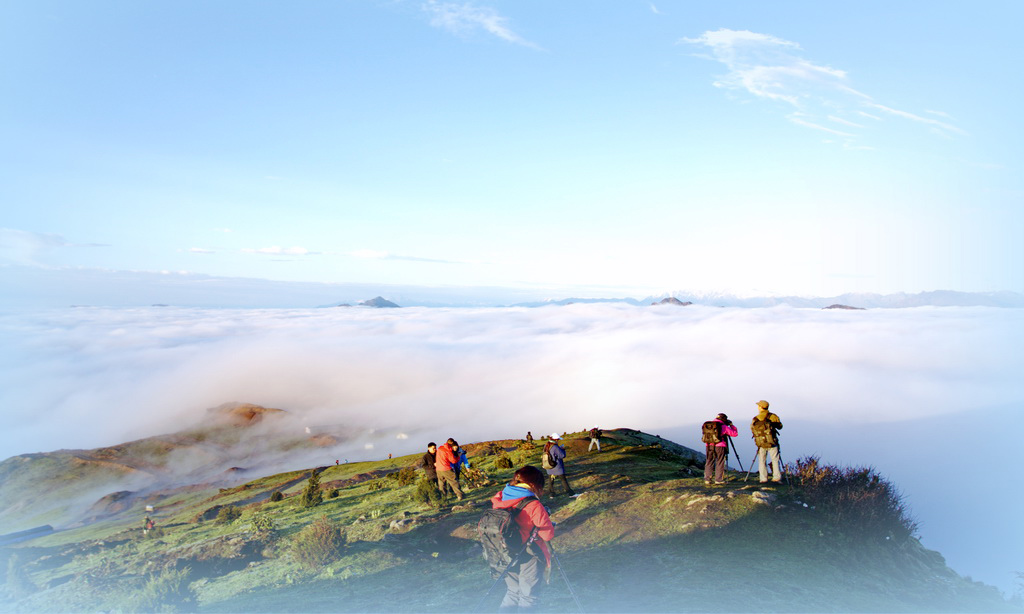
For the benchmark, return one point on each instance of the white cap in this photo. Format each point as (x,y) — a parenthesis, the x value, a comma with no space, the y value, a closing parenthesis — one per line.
(555,436)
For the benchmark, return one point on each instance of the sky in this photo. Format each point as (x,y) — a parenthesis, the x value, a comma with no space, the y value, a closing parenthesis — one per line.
(796,148)
(907,391)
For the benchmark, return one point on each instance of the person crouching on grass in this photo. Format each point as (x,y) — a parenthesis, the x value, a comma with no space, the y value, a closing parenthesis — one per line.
(523,579)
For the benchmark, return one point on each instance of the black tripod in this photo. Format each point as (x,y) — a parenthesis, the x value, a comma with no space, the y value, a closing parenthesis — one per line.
(782,466)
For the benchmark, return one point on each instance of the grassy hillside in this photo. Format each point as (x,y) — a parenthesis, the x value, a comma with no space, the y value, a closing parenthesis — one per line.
(646,535)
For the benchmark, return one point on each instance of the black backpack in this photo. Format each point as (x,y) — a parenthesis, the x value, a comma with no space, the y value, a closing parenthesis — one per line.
(711,432)
(764,434)
(499,535)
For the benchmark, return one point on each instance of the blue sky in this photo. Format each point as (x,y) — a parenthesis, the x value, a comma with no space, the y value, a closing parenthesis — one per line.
(801,147)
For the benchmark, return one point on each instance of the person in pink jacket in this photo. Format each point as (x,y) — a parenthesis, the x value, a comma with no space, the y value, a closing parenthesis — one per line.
(714,435)
(523,580)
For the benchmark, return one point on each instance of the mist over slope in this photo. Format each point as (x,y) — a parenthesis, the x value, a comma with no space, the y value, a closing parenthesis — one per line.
(646,534)
(88,378)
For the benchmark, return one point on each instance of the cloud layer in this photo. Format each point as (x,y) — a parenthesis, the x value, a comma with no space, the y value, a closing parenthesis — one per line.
(83,378)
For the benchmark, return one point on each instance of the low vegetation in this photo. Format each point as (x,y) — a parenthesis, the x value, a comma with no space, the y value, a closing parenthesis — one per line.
(645,535)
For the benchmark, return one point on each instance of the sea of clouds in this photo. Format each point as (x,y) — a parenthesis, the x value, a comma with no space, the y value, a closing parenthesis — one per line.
(925,395)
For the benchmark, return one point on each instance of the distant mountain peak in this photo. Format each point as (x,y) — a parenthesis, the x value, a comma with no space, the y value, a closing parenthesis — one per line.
(380,302)
(672,301)
(242,414)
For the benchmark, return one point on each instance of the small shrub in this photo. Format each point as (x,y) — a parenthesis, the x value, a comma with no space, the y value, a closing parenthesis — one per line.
(319,543)
(228,514)
(856,499)
(333,494)
(404,476)
(263,526)
(312,496)
(426,493)
(503,462)
(527,445)
(375,485)
(276,496)
(494,449)
(154,533)
(168,591)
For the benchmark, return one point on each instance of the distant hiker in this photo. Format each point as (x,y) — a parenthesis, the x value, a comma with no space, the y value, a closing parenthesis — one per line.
(552,460)
(148,525)
(461,461)
(389,455)
(337,462)
(713,434)
(529,436)
(765,428)
(445,466)
(595,439)
(427,462)
(523,580)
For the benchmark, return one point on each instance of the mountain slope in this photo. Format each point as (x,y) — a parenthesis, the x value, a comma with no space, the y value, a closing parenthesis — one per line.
(645,535)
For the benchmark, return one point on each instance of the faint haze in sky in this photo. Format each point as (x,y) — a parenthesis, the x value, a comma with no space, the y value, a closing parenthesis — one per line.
(707,146)
(905,390)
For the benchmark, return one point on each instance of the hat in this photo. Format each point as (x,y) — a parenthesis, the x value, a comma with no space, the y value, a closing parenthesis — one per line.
(722,417)
(762,404)
(554,436)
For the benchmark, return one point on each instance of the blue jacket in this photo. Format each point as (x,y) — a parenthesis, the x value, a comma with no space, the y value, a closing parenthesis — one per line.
(557,454)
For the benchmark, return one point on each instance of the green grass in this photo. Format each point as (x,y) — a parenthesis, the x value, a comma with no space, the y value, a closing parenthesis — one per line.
(645,536)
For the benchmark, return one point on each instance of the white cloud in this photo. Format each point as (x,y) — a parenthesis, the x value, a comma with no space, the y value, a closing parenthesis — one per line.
(26,248)
(917,118)
(369,254)
(797,119)
(460,18)
(201,250)
(771,68)
(83,378)
(279,251)
(845,122)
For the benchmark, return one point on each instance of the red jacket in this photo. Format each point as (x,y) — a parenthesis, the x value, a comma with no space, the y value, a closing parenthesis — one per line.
(445,458)
(532,515)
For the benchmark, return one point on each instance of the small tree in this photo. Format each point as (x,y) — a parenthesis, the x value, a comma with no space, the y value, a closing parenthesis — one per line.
(228,513)
(313,495)
(426,493)
(263,527)
(319,543)
(276,496)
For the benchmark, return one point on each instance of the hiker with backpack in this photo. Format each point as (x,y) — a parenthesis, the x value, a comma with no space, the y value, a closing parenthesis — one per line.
(595,439)
(515,541)
(461,462)
(428,461)
(553,461)
(714,434)
(445,467)
(765,428)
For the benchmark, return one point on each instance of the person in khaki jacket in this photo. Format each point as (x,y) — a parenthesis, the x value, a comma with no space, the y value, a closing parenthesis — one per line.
(765,427)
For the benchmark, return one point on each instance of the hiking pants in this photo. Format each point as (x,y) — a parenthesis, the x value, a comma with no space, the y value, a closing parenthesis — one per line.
(448,478)
(594,442)
(523,585)
(714,466)
(762,469)
(565,483)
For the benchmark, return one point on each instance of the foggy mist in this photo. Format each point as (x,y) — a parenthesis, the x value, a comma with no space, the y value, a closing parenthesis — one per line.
(903,390)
